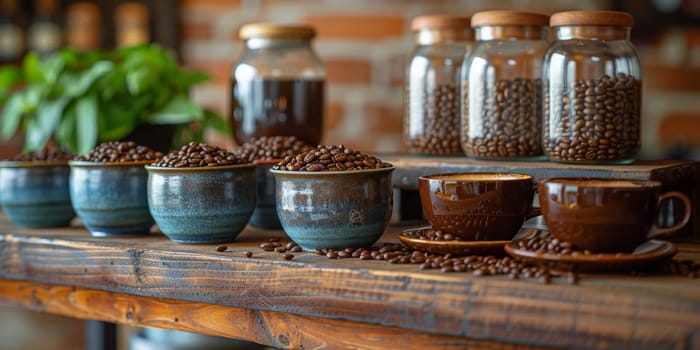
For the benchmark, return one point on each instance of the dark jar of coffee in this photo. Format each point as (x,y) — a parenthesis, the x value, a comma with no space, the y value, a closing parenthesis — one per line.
(592,89)
(277,84)
(502,86)
(431,101)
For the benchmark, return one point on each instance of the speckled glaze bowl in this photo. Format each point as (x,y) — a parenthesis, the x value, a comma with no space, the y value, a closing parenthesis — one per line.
(110,198)
(265,214)
(202,204)
(335,209)
(35,194)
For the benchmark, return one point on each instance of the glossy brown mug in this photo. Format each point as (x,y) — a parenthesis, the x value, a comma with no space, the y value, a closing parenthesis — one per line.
(477,206)
(606,215)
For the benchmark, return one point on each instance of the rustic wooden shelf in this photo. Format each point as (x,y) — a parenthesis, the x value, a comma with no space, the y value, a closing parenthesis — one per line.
(313,301)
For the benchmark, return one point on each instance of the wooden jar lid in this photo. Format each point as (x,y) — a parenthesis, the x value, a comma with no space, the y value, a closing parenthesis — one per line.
(440,22)
(273,30)
(592,18)
(488,18)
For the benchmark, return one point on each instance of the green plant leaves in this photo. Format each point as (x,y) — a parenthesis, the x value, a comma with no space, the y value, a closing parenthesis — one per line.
(46,120)
(11,116)
(86,119)
(178,110)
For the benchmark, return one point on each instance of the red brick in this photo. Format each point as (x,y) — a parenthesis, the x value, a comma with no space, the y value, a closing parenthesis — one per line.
(680,129)
(383,119)
(195,31)
(362,27)
(219,71)
(348,71)
(333,116)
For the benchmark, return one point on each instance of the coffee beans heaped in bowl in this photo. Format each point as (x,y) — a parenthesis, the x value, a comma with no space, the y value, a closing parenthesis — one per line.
(201,193)
(333,197)
(265,152)
(108,188)
(34,189)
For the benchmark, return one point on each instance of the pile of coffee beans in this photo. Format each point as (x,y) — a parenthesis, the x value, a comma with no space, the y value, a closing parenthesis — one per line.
(120,152)
(432,235)
(508,124)
(687,268)
(196,154)
(433,126)
(46,154)
(595,120)
(551,245)
(330,158)
(272,147)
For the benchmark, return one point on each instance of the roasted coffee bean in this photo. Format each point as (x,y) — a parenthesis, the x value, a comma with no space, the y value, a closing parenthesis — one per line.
(221,248)
(595,120)
(508,123)
(288,256)
(271,147)
(274,239)
(196,154)
(248,254)
(321,159)
(46,154)
(433,126)
(120,152)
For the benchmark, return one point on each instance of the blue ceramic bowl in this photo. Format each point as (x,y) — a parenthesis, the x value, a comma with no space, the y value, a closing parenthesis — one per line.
(265,214)
(202,204)
(110,198)
(35,194)
(335,209)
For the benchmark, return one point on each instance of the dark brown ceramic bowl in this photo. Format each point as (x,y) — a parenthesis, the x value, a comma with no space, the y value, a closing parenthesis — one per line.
(477,206)
(604,215)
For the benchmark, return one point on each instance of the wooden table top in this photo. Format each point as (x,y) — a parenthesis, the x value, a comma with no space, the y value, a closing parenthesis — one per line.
(313,301)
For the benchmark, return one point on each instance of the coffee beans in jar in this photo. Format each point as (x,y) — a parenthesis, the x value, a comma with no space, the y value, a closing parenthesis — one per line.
(436,132)
(48,154)
(503,120)
(272,147)
(330,158)
(594,120)
(196,154)
(120,152)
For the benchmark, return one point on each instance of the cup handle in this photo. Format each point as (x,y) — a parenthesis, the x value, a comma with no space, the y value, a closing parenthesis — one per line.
(534,211)
(658,231)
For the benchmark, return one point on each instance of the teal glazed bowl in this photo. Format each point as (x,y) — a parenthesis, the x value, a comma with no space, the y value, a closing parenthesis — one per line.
(265,213)
(110,198)
(35,194)
(334,209)
(201,204)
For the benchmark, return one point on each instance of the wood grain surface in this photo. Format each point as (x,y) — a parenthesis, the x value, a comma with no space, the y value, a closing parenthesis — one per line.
(603,311)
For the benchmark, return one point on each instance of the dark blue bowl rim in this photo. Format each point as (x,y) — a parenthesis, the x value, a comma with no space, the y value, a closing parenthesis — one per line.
(163,169)
(33,164)
(343,172)
(88,164)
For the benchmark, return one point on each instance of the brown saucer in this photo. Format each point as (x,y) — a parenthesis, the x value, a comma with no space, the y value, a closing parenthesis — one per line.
(648,253)
(451,247)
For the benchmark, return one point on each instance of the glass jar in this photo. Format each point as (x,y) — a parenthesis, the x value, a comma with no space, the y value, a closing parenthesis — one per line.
(502,86)
(592,89)
(431,102)
(277,84)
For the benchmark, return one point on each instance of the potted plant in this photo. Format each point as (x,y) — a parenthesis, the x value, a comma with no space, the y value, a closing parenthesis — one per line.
(81,99)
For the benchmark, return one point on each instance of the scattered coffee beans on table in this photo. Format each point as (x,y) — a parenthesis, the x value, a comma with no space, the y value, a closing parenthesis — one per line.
(595,120)
(120,152)
(199,155)
(330,158)
(508,124)
(271,147)
(433,127)
(46,154)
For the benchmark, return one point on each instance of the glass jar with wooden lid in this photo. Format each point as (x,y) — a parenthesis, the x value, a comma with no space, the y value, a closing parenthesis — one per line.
(431,101)
(593,89)
(277,84)
(502,86)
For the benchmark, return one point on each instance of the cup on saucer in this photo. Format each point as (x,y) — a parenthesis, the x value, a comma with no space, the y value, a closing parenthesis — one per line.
(477,206)
(606,215)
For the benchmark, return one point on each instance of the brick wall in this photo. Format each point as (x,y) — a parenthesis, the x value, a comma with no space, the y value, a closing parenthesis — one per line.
(364,45)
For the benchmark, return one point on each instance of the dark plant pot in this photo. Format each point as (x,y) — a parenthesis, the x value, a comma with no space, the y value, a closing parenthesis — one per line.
(159,137)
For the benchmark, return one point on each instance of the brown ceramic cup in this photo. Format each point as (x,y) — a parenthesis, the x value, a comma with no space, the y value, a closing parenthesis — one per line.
(477,206)
(604,215)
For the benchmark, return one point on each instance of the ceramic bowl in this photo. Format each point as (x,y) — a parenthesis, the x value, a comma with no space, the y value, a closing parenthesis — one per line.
(201,204)
(335,209)
(110,198)
(265,214)
(35,194)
